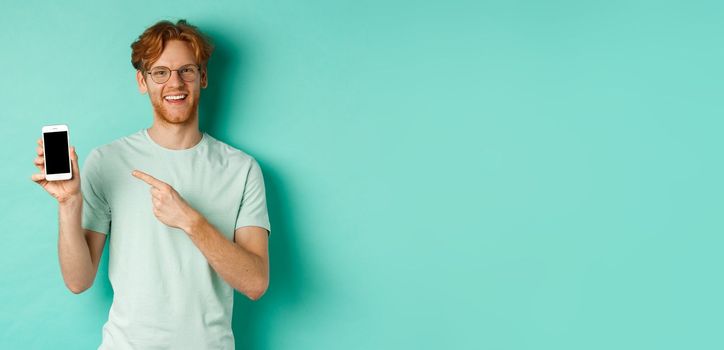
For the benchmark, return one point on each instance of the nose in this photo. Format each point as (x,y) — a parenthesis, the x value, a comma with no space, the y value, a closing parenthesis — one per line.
(175,79)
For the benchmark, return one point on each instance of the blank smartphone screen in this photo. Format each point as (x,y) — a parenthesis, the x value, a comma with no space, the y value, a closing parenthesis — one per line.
(56,152)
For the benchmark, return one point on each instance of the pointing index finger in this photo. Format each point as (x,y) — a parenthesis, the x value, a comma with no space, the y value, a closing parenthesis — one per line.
(148,179)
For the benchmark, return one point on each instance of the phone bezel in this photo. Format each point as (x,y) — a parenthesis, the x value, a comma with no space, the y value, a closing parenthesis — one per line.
(61,176)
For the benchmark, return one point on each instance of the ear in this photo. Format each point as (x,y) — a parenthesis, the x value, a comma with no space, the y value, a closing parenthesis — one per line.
(204,78)
(140,79)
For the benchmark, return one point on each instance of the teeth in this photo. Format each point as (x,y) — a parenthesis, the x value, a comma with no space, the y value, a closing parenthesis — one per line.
(177,97)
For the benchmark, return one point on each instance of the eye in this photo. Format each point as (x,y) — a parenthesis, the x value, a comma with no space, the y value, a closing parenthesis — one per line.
(159,73)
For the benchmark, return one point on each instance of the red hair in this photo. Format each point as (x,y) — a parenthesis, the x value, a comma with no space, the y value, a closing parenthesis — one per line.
(149,46)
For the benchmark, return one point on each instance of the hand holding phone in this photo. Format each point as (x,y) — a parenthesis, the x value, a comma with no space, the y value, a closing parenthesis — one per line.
(58,163)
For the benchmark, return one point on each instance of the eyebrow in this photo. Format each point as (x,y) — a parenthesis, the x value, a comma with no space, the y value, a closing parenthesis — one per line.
(183,65)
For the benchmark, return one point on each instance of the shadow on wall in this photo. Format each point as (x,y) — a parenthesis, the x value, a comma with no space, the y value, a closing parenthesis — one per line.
(251,321)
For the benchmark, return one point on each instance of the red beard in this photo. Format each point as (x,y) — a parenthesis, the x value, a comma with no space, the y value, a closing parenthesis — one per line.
(162,111)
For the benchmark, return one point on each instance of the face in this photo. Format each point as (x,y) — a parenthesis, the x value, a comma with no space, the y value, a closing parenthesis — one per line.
(174,110)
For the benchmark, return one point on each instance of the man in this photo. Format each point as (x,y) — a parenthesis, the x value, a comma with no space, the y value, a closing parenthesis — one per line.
(186,213)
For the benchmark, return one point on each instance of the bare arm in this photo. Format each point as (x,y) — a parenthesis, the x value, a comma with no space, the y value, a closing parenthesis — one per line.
(243,264)
(79,250)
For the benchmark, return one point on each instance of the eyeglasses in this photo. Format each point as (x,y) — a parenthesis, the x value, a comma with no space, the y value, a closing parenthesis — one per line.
(161,74)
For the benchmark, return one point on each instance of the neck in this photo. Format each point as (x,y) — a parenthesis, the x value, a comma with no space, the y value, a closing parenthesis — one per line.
(173,136)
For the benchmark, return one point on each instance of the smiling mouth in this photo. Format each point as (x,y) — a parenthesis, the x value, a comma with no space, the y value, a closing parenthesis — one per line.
(175,99)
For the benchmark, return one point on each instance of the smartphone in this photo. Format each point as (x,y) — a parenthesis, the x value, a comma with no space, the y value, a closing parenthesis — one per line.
(55,150)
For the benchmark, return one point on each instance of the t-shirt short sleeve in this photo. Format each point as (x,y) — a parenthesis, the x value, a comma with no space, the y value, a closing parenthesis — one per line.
(253,210)
(96,211)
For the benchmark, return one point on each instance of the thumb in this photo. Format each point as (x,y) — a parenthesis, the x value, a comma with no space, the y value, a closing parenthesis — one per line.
(74,160)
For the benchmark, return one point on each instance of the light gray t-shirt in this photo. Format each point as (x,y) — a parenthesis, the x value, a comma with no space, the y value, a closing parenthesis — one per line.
(166,295)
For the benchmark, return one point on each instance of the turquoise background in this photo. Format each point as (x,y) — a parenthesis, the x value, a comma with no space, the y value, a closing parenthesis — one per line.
(458,174)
